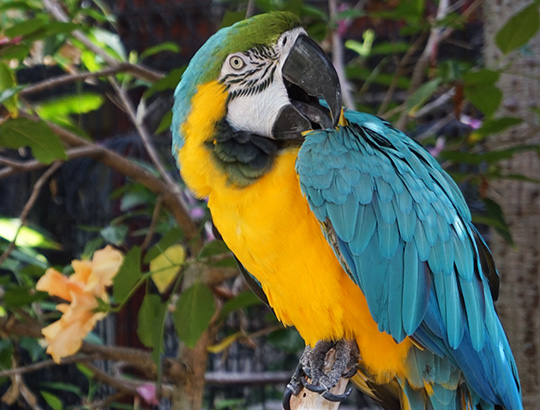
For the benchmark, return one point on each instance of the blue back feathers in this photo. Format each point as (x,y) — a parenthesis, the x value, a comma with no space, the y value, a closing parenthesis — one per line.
(404,233)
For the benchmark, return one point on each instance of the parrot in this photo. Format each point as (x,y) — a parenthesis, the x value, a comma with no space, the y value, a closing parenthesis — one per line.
(349,229)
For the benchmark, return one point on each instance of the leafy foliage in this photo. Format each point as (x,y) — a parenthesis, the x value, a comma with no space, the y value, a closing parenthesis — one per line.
(165,270)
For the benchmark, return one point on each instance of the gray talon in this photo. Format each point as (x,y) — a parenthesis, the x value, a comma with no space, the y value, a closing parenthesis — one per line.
(312,366)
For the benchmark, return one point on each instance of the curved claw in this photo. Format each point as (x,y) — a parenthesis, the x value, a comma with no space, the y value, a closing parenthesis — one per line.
(287,397)
(350,373)
(337,397)
(315,388)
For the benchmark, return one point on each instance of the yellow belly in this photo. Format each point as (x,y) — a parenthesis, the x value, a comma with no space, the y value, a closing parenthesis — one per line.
(272,231)
(269,227)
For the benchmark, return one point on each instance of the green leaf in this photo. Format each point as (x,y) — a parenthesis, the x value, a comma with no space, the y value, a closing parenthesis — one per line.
(6,94)
(421,95)
(213,248)
(165,123)
(167,46)
(128,275)
(14,52)
(59,27)
(519,177)
(27,236)
(52,400)
(481,77)
(287,340)
(6,353)
(489,157)
(85,370)
(194,310)
(390,48)
(231,17)
(71,104)
(63,387)
(19,296)
(8,89)
(519,29)
(166,266)
(150,320)
(22,132)
(480,90)
(242,300)
(361,73)
(349,14)
(222,254)
(170,238)
(294,6)
(91,246)
(18,5)
(363,49)
(32,346)
(169,82)
(25,28)
(496,125)
(111,42)
(495,218)
(91,61)
(135,197)
(115,234)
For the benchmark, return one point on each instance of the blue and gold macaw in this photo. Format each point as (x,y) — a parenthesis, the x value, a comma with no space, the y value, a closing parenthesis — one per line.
(352,230)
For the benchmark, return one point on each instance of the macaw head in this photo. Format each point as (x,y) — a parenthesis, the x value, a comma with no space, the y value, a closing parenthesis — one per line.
(262,77)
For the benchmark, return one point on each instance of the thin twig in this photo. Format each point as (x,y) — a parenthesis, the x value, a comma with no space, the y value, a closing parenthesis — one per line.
(55,9)
(125,385)
(132,170)
(105,403)
(464,16)
(172,185)
(436,127)
(70,78)
(17,167)
(423,61)
(144,134)
(153,223)
(338,59)
(399,71)
(250,9)
(28,206)
(433,105)
(46,363)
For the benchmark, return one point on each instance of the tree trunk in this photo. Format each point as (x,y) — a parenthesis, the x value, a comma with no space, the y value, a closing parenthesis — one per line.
(519,267)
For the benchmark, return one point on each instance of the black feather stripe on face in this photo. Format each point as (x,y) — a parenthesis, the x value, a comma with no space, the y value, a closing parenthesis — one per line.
(256,76)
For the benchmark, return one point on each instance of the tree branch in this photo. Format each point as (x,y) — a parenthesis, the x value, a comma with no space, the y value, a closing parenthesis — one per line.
(123,384)
(17,167)
(70,78)
(147,141)
(129,169)
(28,206)
(138,71)
(338,59)
(428,54)
(46,363)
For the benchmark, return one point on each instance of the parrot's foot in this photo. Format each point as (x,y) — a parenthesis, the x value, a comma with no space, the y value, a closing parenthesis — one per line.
(324,365)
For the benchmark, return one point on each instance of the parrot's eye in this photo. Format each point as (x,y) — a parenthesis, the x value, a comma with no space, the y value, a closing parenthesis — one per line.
(236,63)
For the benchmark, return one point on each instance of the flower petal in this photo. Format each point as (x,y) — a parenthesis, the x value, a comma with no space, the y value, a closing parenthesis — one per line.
(105,265)
(56,284)
(83,269)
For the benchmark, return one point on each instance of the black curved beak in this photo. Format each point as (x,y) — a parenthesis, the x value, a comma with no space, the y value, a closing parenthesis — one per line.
(309,76)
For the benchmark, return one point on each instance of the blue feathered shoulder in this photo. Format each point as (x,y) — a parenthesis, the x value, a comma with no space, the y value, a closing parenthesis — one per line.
(402,230)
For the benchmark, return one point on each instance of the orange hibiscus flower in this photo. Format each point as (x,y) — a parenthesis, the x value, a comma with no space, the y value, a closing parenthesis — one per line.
(82,289)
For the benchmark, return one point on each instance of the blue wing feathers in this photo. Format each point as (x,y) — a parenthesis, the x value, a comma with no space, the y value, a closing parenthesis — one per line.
(404,234)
